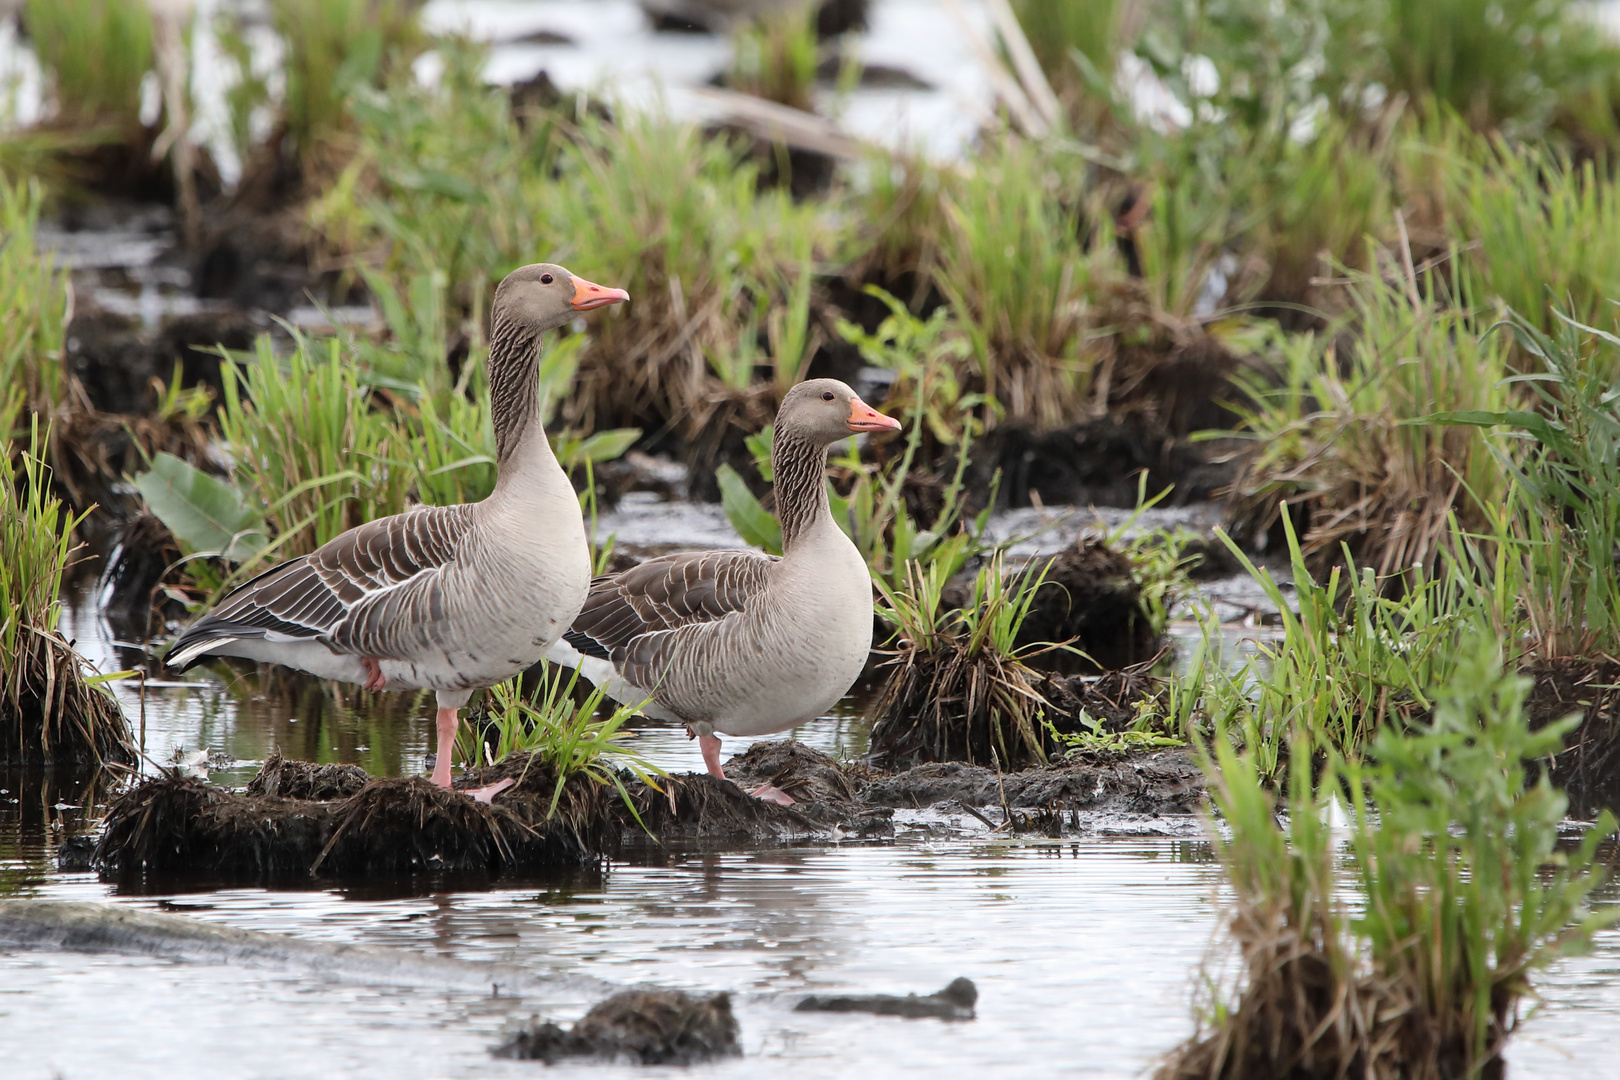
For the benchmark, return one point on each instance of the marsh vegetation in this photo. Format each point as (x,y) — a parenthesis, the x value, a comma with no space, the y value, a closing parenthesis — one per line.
(1349,268)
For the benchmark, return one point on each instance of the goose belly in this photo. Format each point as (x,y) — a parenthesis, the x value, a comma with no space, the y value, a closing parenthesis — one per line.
(797,681)
(490,641)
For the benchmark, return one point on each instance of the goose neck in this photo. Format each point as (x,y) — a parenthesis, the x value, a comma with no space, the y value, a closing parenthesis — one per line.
(799,467)
(523,454)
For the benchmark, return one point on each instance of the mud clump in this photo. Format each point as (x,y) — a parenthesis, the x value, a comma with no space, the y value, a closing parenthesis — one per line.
(643,1027)
(1094,462)
(280,778)
(947,706)
(955,1002)
(51,715)
(1589,768)
(298,819)
(1089,598)
(1164,782)
(697,808)
(825,792)
(181,827)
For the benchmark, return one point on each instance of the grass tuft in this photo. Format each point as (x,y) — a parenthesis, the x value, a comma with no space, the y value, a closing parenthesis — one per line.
(336,49)
(565,735)
(51,712)
(97,53)
(959,689)
(34,296)
(1460,894)
(1342,432)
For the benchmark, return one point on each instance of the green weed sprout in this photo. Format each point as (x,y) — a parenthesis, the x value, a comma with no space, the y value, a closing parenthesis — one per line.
(567,736)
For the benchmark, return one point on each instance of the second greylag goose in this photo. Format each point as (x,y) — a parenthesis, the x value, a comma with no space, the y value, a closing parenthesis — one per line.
(442,598)
(739,642)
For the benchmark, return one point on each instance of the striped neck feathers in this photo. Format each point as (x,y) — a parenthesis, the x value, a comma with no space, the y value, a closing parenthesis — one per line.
(514,376)
(799,465)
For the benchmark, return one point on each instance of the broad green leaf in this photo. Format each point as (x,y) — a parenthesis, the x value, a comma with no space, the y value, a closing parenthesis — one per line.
(603,446)
(753,522)
(205,513)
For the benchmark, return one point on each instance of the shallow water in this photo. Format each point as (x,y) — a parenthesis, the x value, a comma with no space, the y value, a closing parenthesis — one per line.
(1085,952)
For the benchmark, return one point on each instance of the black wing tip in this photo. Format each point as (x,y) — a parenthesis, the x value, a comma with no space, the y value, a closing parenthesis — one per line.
(586,645)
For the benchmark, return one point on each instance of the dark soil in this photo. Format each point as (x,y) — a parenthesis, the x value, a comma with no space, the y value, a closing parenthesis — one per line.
(954,1002)
(1089,599)
(50,715)
(1097,462)
(1163,782)
(1589,768)
(641,1027)
(298,820)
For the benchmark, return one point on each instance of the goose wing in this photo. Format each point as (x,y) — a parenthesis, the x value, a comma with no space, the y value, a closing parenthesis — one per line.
(630,618)
(372,591)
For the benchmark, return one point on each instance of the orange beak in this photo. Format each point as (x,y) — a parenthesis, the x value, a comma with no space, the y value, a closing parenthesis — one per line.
(862,417)
(589,295)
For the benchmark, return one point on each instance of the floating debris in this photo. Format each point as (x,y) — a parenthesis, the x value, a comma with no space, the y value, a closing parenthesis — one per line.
(955,1002)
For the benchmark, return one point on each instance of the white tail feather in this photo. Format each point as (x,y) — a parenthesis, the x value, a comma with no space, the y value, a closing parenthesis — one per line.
(191,652)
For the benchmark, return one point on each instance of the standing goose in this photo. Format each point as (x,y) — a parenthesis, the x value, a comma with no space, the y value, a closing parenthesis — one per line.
(739,642)
(444,598)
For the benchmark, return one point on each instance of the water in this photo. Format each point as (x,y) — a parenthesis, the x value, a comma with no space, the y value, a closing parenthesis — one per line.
(1086,953)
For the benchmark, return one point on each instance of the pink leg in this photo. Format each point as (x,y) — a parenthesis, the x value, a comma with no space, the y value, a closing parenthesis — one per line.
(448,721)
(710,745)
(374,675)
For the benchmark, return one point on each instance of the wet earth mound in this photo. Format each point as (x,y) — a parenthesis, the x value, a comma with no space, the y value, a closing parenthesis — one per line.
(642,1027)
(299,819)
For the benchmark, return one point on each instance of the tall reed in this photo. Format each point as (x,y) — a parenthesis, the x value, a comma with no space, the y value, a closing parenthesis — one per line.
(336,48)
(1549,548)
(308,445)
(449,178)
(1023,278)
(1548,234)
(97,52)
(34,295)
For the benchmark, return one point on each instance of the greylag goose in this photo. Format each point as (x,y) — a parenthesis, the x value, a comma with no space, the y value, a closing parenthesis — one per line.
(443,598)
(739,642)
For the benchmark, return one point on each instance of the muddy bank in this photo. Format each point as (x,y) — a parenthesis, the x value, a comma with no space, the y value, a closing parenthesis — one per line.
(296,820)
(300,820)
(75,926)
(1589,768)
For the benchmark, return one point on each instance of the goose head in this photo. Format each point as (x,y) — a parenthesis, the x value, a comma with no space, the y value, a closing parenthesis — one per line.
(826,410)
(544,296)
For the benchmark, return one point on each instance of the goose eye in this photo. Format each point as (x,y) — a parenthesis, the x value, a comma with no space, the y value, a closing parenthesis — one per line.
(826,395)
(546,279)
